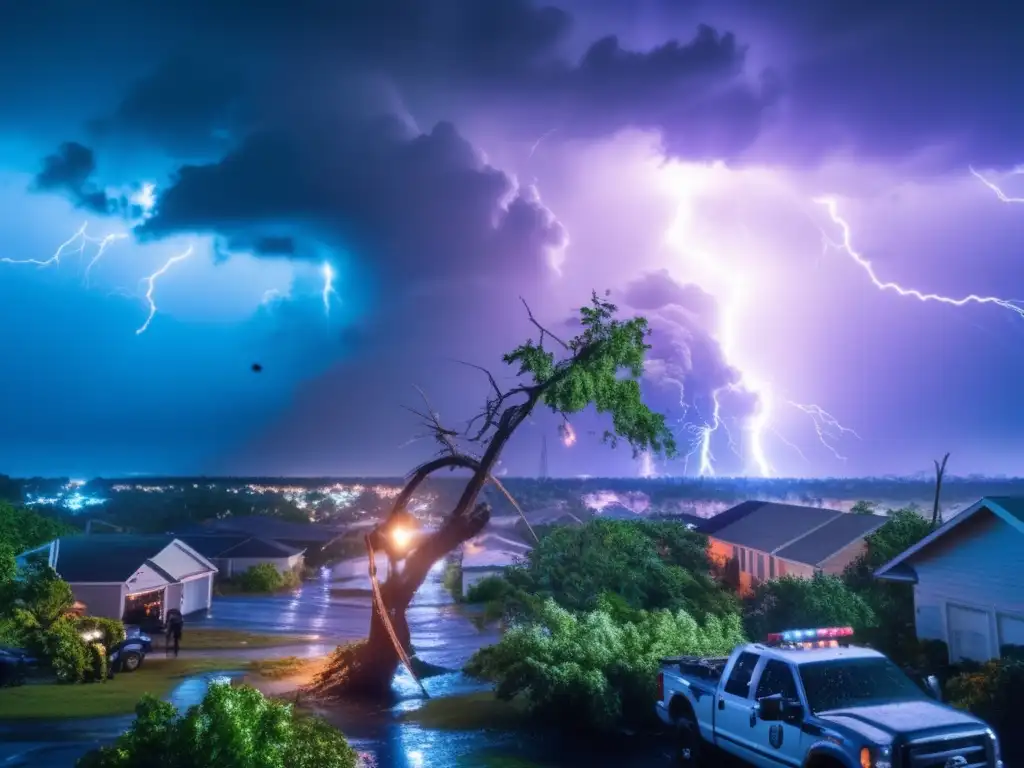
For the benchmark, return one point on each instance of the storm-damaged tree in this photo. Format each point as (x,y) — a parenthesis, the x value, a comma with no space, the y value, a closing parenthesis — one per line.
(600,367)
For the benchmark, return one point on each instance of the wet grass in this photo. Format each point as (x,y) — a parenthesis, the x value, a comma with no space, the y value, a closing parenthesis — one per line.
(203,639)
(119,696)
(496,760)
(283,669)
(469,712)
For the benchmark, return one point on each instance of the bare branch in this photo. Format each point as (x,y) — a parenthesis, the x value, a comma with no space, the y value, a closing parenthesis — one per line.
(543,331)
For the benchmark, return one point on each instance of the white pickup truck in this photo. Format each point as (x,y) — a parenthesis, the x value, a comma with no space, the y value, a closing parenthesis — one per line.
(803,700)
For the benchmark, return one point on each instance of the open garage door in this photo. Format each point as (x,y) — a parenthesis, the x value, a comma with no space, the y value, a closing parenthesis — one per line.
(970,635)
(1011,632)
(195,595)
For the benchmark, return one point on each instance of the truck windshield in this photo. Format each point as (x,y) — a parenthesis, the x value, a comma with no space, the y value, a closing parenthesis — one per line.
(846,683)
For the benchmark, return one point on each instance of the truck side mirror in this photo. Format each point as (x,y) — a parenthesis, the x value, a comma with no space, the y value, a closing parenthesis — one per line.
(770,708)
(932,684)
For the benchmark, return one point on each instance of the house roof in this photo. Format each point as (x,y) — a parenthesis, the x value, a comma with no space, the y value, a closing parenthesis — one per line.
(824,542)
(274,529)
(113,558)
(238,545)
(1009,509)
(712,525)
(768,527)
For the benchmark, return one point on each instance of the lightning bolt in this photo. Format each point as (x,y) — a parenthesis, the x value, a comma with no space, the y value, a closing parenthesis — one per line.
(846,245)
(1003,197)
(829,430)
(328,273)
(76,244)
(151,286)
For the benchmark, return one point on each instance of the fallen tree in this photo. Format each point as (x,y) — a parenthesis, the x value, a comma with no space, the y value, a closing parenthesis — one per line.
(601,367)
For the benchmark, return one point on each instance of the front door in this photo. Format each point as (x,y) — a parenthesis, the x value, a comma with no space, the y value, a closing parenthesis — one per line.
(733,710)
(779,742)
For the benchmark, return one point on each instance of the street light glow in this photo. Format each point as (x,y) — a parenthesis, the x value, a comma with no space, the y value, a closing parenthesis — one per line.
(401,536)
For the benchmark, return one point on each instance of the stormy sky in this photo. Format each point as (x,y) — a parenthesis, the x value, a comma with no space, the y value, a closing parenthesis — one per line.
(816,205)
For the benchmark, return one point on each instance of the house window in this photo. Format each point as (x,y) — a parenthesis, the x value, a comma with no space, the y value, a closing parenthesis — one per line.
(743,559)
(760,566)
(771,567)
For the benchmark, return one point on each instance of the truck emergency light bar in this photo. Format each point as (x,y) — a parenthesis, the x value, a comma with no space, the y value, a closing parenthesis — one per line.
(826,637)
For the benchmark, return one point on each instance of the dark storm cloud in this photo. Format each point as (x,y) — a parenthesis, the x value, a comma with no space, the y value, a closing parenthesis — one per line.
(686,360)
(184,105)
(69,171)
(411,206)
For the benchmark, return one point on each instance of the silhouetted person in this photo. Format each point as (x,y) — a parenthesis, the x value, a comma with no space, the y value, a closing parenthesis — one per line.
(175,622)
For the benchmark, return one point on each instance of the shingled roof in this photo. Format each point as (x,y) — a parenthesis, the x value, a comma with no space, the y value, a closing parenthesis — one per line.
(215,545)
(108,558)
(808,535)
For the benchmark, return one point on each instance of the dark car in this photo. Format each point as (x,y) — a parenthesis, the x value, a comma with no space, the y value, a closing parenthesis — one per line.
(15,663)
(128,655)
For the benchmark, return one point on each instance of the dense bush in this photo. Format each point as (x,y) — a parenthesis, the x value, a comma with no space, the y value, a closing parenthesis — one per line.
(232,726)
(995,693)
(62,647)
(265,577)
(892,603)
(793,602)
(650,565)
(109,632)
(593,670)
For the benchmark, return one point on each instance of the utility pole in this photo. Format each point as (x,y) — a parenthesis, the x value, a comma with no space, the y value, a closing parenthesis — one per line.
(940,471)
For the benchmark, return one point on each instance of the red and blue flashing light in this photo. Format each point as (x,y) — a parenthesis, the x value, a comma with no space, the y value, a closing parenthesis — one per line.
(824,637)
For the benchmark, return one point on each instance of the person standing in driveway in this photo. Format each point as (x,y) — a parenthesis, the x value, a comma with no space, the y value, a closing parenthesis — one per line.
(175,622)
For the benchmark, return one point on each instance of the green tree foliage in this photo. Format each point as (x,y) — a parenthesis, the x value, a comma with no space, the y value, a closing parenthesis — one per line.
(648,565)
(23,529)
(604,349)
(592,671)
(232,726)
(791,602)
(892,603)
(995,693)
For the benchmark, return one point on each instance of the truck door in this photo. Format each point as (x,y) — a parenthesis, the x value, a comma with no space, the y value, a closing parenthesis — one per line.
(778,742)
(734,730)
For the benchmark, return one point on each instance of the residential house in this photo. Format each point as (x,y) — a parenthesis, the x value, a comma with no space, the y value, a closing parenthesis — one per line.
(489,554)
(309,537)
(130,577)
(760,540)
(967,583)
(236,553)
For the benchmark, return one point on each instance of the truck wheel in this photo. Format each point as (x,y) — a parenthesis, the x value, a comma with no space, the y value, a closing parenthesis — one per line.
(131,661)
(689,746)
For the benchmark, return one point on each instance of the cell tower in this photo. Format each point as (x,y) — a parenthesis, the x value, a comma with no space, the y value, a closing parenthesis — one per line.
(544,458)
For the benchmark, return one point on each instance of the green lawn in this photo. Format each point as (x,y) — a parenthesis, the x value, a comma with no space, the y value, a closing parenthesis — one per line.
(469,712)
(202,639)
(114,697)
(282,669)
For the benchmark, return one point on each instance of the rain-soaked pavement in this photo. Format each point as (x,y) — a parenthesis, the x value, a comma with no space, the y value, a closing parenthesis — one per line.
(442,635)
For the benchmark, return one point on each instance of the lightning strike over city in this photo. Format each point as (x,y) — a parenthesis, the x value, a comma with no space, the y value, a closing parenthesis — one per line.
(996,189)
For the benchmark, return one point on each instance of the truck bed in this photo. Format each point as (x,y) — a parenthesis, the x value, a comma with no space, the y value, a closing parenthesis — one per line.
(708,668)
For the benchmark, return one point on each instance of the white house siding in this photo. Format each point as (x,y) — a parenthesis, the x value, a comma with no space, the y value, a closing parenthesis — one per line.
(975,566)
(172,598)
(145,579)
(232,566)
(177,562)
(105,600)
(196,594)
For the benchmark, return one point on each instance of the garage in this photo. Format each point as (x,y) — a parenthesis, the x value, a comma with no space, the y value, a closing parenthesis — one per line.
(195,594)
(1011,630)
(970,634)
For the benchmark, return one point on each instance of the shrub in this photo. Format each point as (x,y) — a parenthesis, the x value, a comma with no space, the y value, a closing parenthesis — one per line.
(65,651)
(792,602)
(232,726)
(591,671)
(96,656)
(261,578)
(488,589)
(995,693)
(109,632)
(453,580)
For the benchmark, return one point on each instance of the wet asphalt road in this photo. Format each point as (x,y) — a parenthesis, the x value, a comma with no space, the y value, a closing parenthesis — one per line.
(441,635)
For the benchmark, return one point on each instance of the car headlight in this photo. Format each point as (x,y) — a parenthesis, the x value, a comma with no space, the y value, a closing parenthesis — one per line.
(995,745)
(876,757)
(145,638)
